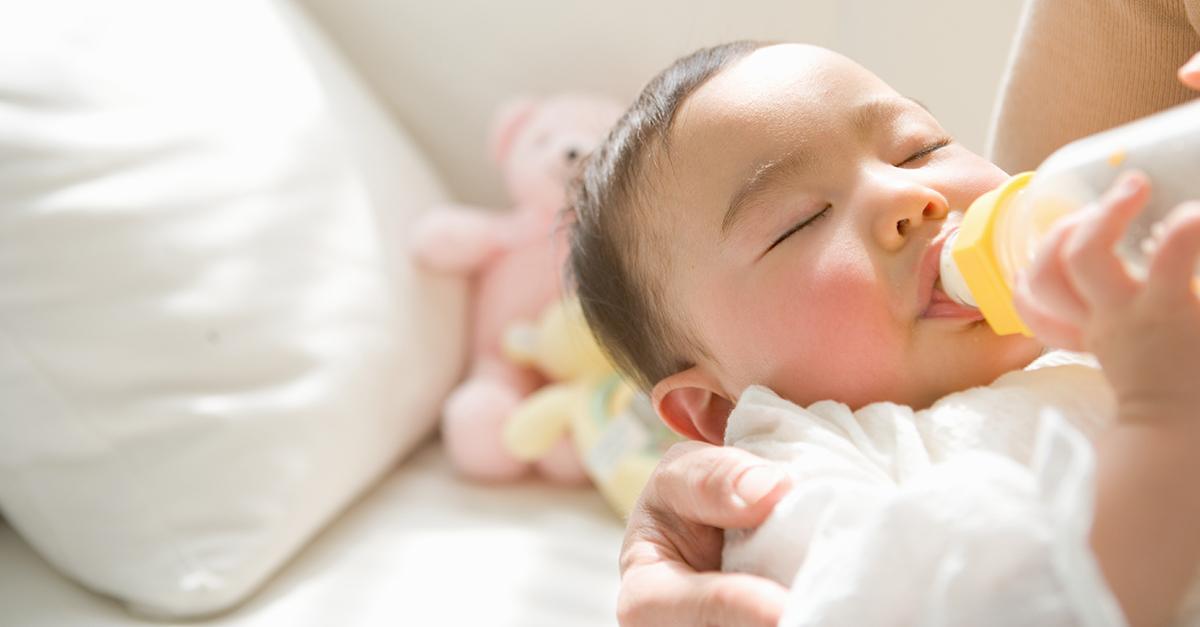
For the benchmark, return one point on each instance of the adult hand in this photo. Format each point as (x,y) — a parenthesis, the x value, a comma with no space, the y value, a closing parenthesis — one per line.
(673,541)
(1078,294)
(1189,74)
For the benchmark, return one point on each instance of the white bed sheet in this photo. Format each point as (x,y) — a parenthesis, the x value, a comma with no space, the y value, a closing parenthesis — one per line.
(420,548)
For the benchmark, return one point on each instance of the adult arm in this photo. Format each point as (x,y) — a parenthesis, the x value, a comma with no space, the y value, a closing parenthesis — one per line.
(1081,66)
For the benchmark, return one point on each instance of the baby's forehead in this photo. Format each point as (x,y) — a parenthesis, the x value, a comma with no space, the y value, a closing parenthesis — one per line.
(765,107)
(804,79)
(740,115)
(785,98)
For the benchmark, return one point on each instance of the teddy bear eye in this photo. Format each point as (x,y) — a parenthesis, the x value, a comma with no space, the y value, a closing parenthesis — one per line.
(572,154)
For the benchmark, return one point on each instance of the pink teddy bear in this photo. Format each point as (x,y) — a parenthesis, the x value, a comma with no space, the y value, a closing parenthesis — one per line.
(515,261)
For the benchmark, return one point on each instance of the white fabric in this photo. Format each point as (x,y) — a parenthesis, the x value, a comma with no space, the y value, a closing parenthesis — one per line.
(421,549)
(940,517)
(209,340)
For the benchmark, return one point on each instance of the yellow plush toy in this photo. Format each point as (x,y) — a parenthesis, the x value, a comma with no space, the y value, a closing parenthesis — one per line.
(614,428)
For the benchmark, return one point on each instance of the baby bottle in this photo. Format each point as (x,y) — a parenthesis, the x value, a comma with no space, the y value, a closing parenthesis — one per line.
(1001,230)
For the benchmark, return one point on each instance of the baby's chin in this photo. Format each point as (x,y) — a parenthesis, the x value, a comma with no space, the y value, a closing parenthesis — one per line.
(969,358)
(984,359)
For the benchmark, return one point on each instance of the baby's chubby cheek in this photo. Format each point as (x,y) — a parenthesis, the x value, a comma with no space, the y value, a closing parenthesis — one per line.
(817,332)
(851,351)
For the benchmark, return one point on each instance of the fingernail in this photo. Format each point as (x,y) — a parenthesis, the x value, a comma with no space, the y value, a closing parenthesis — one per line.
(1186,211)
(1131,182)
(756,483)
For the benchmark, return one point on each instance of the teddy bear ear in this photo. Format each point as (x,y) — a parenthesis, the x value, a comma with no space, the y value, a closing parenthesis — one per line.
(507,124)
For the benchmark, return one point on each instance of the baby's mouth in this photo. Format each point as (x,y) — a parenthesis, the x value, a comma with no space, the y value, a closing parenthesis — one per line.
(942,306)
(939,304)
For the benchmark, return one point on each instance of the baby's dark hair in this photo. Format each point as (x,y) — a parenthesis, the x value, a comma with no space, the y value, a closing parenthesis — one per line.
(613,260)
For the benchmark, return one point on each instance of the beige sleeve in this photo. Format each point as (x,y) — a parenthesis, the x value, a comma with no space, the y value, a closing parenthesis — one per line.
(1082,66)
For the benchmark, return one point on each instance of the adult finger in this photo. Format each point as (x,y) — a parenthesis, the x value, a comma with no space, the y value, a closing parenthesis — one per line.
(1044,286)
(716,486)
(666,594)
(692,495)
(1091,261)
(1189,73)
(738,600)
(1173,267)
(1048,328)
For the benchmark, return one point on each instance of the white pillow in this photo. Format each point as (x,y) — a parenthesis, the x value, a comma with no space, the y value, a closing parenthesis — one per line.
(210,341)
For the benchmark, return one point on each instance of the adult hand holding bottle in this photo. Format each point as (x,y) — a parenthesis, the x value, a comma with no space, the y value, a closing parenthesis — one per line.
(1145,331)
(1048,295)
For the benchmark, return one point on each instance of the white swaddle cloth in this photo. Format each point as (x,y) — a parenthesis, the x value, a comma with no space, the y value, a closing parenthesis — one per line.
(975,511)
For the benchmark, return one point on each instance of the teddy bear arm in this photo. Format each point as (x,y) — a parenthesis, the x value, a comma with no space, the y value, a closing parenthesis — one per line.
(540,421)
(458,239)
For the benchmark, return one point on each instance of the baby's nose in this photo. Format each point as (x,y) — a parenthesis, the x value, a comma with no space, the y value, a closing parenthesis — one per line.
(930,212)
(906,211)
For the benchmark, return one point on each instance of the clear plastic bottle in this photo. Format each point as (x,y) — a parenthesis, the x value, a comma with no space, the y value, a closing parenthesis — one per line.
(1001,231)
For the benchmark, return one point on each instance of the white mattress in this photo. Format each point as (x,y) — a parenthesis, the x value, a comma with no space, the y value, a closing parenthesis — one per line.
(420,548)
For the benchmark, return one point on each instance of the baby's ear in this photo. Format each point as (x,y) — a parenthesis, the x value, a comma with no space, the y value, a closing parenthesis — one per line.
(688,401)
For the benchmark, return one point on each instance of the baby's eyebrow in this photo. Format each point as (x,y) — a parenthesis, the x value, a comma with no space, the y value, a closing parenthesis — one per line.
(864,117)
(764,178)
(868,114)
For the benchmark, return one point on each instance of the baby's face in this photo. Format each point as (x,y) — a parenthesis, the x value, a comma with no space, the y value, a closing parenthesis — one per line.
(804,199)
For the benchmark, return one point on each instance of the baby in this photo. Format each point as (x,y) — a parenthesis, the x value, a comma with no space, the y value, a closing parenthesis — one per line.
(771,215)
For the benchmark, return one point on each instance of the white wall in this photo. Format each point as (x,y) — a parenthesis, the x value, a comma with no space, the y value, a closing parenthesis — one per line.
(444,66)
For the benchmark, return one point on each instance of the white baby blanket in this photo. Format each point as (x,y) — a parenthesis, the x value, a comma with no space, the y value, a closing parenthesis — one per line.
(947,516)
